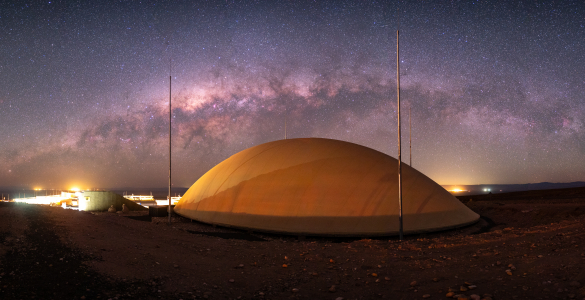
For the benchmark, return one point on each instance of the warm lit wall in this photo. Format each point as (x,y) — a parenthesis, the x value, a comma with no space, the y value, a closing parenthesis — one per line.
(101,201)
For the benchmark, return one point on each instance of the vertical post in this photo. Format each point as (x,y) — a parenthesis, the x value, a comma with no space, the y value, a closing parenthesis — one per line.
(399,137)
(410,134)
(170,120)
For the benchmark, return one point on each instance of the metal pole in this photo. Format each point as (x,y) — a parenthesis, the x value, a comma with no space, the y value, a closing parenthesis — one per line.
(170,120)
(410,135)
(399,140)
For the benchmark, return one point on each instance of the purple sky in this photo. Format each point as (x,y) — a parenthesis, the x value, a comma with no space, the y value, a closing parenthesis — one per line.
(497,90)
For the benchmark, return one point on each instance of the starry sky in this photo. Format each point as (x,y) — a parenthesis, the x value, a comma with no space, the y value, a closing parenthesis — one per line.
(496,90)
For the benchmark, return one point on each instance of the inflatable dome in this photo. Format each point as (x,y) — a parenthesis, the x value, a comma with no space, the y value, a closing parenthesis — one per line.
(314,186)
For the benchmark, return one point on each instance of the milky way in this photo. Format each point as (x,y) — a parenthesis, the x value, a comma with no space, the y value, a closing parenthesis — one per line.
(497,91)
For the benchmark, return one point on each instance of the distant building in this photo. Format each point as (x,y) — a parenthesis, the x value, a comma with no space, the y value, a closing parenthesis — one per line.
(136,198)
(101,201)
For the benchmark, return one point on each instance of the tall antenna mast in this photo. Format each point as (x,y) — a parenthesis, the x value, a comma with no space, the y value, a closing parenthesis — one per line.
(170,120)
(399,139)
(410,134)
(285,120)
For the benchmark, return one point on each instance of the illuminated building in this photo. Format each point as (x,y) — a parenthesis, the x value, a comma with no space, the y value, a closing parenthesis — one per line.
(315,186)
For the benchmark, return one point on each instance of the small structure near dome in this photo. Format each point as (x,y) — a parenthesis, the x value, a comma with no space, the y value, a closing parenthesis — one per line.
(314,186)
(105,200)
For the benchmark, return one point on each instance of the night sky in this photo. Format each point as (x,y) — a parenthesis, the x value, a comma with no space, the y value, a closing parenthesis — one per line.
(497,91)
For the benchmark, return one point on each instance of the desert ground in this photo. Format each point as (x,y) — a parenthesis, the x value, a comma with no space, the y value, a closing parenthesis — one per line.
(527,245)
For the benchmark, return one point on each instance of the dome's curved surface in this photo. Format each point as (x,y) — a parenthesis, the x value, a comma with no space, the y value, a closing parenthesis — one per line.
(320,186)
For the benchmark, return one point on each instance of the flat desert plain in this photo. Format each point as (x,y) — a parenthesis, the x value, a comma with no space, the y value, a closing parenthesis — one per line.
(528,245)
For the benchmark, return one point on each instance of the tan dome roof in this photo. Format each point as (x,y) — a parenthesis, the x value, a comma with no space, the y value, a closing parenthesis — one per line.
(320,186)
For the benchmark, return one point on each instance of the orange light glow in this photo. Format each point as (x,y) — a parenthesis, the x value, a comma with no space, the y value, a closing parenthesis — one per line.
(75,189)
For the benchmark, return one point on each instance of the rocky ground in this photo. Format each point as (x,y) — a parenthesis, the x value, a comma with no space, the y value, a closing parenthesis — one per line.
(527,246)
